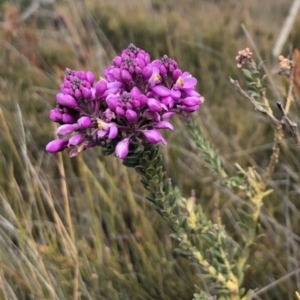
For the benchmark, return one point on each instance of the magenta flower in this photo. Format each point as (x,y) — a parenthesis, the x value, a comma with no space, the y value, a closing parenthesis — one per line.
(127,107)
(185,82)
(109,130)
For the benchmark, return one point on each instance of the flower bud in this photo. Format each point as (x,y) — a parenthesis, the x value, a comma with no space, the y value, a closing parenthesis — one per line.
(67,84)
(101,87)
(126,77)
(66,100)
(162,70)
(168,115)
(67,91)
(190,101)
(154,136)
(66,129)
(135,92)
(120,111)
(78,93)
(147,73)
(161,90)
(168,101)
(154,105)
(84,122)
(140,62)
(116,73)
(138,70)
(128,105)
(122,148)
(113,131)
(81,75)
(175,94)
(118,61)
(112,101)
(90,77)
(192,93)
(87,93)
(136,104)
(55,115)
(76,139)
(176,74)
(131,115)
(68,119)
(190,108)
(57,146)
(164,125)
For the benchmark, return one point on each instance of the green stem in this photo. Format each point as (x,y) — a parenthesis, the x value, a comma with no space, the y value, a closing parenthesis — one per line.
(206,151)
(190,226)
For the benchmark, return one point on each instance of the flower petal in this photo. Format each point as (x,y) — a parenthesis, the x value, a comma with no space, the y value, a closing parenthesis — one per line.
(161,91)
(76,139)
(164,125)
(122,148)
(190,101)
(113,132)
(154,105)
(101,134)
(168,115)
(154,136)
(66,129)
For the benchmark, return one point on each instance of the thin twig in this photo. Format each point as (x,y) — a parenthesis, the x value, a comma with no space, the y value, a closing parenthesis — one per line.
(274,158)
(288,125)
(274,283)
(290,92)
(255,104)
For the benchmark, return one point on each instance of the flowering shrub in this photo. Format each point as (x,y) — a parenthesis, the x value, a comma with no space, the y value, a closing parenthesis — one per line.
(125,108)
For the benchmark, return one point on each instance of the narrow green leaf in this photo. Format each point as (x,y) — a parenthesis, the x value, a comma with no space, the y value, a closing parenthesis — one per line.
(247,74)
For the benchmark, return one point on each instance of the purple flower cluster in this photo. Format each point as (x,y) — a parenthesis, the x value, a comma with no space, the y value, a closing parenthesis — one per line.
(126,107)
